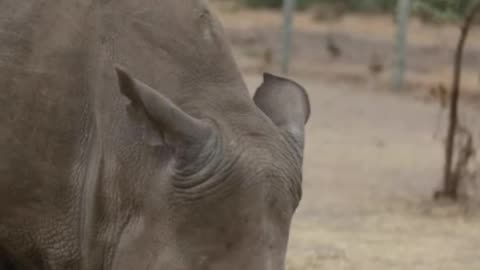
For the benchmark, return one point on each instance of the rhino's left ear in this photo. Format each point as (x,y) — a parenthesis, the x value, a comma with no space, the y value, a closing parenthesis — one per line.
(171,122)
(286,103)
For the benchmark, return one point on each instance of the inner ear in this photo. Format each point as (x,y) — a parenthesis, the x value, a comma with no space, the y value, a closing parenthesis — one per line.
(145,129)
(166,118)
(286,103)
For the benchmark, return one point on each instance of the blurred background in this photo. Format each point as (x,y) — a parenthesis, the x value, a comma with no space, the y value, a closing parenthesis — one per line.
(376,140)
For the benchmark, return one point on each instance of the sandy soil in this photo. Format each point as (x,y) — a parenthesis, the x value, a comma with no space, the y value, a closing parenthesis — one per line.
(371,167)
(373,158)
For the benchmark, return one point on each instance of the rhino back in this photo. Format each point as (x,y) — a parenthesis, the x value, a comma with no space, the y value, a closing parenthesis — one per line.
(44,122)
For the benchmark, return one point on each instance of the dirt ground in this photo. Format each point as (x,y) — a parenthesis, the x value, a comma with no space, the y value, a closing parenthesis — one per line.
(371,166)
(372,157)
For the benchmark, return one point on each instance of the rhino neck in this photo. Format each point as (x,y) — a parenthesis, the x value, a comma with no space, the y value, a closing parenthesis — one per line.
(177,47)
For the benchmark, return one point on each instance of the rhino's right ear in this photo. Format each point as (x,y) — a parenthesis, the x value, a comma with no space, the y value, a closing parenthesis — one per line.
(172,122)
(286,103)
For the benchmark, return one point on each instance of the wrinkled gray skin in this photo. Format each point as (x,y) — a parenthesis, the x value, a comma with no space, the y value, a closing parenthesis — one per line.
(128,140)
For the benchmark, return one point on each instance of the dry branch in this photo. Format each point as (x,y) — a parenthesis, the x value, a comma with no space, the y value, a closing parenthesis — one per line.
(450,181)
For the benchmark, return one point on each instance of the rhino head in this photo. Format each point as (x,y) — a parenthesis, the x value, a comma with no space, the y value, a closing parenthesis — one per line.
(227,196)
(166,164)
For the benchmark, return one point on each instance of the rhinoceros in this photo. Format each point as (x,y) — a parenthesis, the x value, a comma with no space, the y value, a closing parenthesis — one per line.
(128,140)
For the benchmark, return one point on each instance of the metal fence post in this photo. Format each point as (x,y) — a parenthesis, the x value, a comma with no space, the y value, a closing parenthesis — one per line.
(402,15)
(288,10)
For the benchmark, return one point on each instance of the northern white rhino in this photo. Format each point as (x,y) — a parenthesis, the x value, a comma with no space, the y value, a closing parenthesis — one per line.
(128,140)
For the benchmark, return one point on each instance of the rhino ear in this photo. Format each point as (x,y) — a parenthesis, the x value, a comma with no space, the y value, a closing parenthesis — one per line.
(286,103)
(173,123)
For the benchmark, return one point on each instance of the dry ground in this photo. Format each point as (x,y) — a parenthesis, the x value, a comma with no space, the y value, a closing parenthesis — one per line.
(372,160)
(371,166)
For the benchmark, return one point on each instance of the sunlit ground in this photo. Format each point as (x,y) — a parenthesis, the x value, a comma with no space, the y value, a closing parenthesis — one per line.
(373,157)
(371,167)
